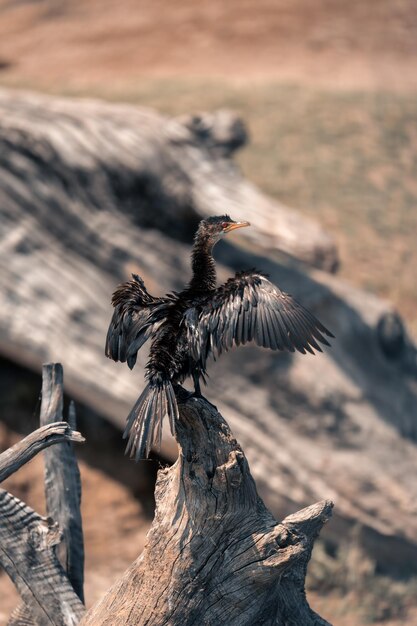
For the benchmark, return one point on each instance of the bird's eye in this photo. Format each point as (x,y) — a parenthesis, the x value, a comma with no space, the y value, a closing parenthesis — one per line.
(225,225)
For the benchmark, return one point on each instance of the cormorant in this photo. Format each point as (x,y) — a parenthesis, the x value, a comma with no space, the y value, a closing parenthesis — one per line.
(203,319)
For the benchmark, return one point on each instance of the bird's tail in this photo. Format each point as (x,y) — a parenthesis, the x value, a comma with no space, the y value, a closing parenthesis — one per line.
(144,422)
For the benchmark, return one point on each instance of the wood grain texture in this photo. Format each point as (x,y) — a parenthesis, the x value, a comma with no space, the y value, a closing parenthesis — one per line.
(62,480)
(23,451)
(27,554)
(21,616)
(215,554)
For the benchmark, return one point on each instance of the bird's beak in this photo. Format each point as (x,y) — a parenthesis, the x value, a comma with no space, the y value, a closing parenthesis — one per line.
(234,225)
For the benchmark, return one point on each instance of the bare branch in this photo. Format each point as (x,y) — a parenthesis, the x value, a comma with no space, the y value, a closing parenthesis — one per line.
(23,451)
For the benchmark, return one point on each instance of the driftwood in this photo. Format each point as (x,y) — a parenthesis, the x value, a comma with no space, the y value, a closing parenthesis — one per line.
(65,169)
(214,554)
(28,542)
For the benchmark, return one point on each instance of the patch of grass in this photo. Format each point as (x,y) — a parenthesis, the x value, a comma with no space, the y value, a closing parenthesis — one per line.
(350,573)
(347,159)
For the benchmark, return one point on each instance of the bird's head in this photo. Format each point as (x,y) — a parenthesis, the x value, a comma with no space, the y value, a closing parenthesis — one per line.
(213,228)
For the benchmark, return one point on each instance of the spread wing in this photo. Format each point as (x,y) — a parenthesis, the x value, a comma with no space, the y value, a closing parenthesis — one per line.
(249,307)
(136,317)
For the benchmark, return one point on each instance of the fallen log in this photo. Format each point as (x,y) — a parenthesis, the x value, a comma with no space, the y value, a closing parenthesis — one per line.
(161,172)
(351,411)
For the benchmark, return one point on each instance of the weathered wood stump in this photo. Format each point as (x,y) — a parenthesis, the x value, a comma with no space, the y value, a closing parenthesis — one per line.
(214,555)
(30,545)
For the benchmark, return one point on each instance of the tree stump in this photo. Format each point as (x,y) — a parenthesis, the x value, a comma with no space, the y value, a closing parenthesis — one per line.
(214,554)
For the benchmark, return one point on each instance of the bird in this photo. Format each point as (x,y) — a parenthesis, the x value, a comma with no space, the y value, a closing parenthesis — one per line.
(203,320)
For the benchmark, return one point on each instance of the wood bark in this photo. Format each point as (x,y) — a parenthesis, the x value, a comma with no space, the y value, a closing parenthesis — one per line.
(215,554)
(78,183)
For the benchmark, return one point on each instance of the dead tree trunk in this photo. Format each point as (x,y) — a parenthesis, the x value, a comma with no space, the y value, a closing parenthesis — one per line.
(214,554)
(29,543)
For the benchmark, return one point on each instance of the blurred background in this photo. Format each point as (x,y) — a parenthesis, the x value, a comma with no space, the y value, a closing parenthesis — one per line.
(121,125)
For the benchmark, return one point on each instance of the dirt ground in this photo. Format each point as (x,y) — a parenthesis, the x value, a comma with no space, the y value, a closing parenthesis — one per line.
(82,43)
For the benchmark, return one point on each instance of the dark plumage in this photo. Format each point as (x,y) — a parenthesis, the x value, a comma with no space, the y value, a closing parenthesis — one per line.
(202,320)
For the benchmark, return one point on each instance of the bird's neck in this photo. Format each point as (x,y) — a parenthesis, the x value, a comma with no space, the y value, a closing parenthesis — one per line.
(203,266)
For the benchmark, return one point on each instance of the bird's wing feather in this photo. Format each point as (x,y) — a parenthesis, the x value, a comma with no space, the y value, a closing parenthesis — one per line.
(248,308)
(136,317)
(192,325)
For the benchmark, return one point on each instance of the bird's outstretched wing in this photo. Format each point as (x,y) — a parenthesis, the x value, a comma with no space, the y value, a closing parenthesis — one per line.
(136,317)
(249,307)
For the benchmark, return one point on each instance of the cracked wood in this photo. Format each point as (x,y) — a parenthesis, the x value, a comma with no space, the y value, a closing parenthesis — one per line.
(214,554)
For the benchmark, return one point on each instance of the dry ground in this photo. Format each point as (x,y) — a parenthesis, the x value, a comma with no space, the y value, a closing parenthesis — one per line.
(94,42)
